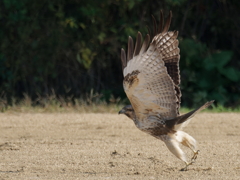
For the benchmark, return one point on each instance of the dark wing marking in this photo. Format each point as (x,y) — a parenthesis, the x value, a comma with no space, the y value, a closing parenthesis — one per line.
(130,78)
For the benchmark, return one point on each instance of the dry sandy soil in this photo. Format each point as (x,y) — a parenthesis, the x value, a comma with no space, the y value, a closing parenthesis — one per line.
(109,146)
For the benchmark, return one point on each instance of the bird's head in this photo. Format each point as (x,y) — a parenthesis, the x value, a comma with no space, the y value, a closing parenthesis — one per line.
(128,111)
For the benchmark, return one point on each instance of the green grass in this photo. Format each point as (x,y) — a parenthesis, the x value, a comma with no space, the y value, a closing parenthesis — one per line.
(92,103)
(214,109)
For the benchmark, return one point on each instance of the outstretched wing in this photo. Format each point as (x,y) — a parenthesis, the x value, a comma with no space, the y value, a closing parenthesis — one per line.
(151,77)
(170,52)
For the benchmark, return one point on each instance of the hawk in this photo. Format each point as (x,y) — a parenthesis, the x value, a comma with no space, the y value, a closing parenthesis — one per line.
(151,83)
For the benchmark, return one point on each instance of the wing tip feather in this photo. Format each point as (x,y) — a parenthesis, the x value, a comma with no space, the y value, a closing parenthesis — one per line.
(138,44)
(130,48)
(123,58)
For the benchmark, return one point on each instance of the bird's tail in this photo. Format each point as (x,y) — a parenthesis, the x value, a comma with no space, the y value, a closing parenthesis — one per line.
(181,121)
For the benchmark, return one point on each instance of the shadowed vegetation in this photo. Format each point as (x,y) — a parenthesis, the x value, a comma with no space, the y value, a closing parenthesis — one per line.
(66,49)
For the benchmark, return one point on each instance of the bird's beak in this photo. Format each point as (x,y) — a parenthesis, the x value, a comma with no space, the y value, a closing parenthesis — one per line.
(122,111)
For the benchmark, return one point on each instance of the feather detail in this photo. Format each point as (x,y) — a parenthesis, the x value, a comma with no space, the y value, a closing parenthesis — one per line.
(123,58)
(130,48)
(168,22)
(145,44)
(154,26)
(138,44)
(161,22)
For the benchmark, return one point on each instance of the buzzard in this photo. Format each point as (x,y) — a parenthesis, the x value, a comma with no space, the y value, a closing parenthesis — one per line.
(151,83)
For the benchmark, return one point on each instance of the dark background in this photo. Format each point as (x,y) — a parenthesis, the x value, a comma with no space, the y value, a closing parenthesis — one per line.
(70,47)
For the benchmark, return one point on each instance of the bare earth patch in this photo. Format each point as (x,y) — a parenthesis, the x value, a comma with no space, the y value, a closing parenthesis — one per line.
(109,146)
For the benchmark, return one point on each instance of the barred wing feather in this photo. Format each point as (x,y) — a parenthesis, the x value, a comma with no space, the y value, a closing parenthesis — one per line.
(151,74)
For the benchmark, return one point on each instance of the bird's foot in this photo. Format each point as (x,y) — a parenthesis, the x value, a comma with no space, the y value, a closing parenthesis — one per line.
(195,156)
(187,164)
(192,161)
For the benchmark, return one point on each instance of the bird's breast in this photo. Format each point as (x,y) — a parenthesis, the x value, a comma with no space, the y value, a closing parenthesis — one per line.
(155,129)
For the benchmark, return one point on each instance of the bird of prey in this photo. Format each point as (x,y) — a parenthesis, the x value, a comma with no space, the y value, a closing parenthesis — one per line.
(151,83)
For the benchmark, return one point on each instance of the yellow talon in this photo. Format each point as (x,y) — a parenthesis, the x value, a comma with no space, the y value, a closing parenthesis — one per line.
(195,156)
(187,164)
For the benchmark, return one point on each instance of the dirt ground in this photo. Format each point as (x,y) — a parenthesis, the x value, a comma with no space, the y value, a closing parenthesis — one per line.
(109,146)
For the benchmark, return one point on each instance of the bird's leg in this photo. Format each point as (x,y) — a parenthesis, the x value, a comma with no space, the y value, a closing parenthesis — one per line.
(189,142)
(195,153)
(173,146)
(187,164)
